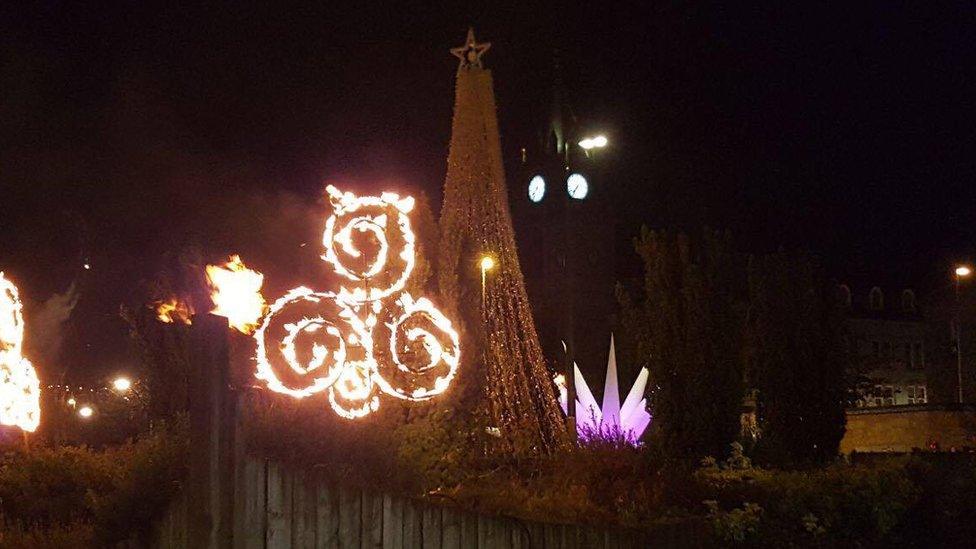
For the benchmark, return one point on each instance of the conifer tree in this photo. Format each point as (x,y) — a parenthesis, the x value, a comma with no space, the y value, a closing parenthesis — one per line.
(476,222)
(797,361)
(687,327)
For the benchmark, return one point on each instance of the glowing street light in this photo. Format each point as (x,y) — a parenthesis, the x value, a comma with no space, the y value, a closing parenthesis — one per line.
(72,402)
(487,263)
(121,384)
(962,271)
(85,412)
(597,142)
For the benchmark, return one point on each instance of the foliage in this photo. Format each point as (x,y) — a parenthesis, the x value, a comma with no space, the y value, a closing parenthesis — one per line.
(736,525)
(797,360)
(841,503)
(688,324)
(71,496)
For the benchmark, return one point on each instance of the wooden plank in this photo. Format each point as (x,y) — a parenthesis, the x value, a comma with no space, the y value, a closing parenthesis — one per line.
(278,534)
(412,524)
(392,522)
(326,517)
(303,512)
(537,535)
(431,528)
(496,533)
(552,536)
(372,525)
(252,501)
(350,518)
(469,530)
(450,529)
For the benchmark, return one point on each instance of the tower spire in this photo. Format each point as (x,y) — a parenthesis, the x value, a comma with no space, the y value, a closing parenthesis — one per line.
(475,222)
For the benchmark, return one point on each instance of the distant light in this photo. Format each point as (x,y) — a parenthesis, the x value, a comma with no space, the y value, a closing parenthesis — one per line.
(72,401)
(122,384)
(577,186)
(963,270)
(597,142)
(85,412)
(87,266)
(537,188)
(487,263)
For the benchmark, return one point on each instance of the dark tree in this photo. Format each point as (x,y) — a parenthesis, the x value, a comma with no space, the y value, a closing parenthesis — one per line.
(687,326)
(797,360)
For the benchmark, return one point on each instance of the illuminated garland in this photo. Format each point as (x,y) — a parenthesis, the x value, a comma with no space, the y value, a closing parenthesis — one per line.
(20,390)
(312,342)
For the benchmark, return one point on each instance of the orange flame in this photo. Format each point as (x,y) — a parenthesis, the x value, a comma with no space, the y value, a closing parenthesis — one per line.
(173,310)
(236,293)
(20,389)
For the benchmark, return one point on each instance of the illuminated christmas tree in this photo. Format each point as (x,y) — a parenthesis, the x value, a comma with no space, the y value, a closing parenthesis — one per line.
(476,223)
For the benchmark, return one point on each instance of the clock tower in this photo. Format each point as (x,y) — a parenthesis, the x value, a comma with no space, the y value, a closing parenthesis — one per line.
(565,226)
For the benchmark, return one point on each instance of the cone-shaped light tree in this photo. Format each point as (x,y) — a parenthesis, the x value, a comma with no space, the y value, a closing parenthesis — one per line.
(476,222)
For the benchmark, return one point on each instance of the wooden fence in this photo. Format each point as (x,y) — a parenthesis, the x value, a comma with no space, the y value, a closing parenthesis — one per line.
(232,499)
(277,508)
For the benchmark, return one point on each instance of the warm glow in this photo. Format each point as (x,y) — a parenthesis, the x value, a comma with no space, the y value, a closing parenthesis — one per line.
(72,402)
(487,263)
(174,310)
(963,270)
(85,412)
(121,384)
(311,342)
(597,142)
(236,293)
(20,389)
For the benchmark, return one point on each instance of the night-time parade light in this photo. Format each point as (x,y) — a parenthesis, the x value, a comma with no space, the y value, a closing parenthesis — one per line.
(370,336)
(20,389)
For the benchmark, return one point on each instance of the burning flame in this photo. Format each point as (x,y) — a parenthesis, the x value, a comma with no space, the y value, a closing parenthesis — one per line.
(20,390)
(174,310)
(236,293)
(324,341)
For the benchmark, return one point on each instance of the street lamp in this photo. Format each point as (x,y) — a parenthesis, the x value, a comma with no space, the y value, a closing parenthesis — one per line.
(121,384)
(487,263)
(962,271)
(597,142)
(85,412)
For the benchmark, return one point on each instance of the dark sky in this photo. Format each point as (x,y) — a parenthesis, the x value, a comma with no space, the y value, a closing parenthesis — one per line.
(128,133)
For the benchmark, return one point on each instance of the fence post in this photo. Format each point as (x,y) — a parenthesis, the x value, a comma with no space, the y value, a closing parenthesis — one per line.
(212,408)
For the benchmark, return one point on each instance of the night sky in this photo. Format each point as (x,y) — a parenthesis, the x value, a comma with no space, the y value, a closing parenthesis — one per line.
(130,133)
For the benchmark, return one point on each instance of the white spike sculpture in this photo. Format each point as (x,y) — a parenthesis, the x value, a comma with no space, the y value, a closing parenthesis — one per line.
(612,420)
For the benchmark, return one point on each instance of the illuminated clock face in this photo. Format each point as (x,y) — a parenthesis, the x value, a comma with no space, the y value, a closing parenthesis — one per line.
(577,186)
(537,188)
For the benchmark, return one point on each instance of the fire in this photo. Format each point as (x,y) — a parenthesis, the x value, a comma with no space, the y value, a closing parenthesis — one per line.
(173,310)
(20,390)
(236,293)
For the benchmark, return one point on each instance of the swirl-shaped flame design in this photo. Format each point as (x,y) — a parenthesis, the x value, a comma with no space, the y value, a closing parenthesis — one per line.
(424,352)
(312,342)
(20,389)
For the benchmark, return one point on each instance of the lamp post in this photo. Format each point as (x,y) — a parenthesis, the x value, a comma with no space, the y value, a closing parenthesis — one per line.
(487,263)
(962,271)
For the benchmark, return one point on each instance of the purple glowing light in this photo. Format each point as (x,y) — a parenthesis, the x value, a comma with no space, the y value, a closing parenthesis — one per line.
(612,421)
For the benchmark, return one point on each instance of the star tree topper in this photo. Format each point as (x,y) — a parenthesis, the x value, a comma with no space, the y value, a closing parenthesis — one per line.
(470,53)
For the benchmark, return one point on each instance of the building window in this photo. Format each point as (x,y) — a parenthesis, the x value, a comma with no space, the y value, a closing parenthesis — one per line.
(844,297)
(916,394)
(876,299)
(917,359)
(908,301)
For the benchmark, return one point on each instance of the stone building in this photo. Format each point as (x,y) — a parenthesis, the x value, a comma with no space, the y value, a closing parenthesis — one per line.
(896,351)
